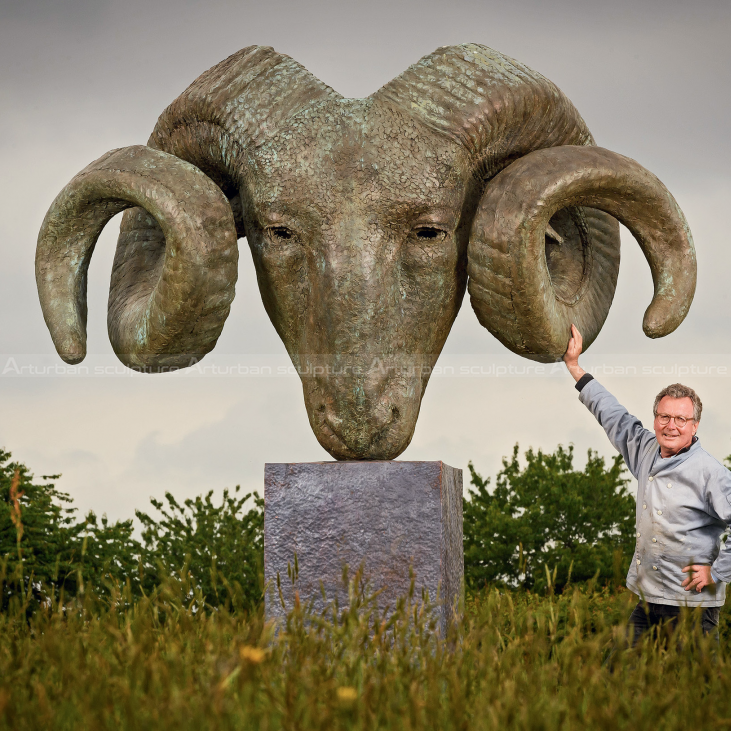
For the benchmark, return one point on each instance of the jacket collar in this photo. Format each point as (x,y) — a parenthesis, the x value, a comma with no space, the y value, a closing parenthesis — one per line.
(664,463)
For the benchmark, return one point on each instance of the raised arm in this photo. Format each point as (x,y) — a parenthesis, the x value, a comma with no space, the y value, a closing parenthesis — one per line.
(625,431)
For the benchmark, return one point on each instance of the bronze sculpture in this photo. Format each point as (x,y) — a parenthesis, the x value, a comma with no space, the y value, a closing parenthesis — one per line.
(365,219)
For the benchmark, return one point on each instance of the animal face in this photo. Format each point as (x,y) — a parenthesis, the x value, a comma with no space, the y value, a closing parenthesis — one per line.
(364,274)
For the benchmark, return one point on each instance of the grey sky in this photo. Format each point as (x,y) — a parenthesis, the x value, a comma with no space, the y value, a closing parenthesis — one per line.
(652,79)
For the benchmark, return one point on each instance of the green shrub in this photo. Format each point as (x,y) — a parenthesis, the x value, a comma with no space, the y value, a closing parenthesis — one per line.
(44,547)
(546,524)
(49,554)
(222,547)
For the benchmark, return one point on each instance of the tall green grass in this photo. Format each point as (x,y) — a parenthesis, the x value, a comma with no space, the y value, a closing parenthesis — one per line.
(515,661)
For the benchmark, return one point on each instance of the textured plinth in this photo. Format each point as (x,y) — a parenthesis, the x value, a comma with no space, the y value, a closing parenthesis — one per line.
(387,515)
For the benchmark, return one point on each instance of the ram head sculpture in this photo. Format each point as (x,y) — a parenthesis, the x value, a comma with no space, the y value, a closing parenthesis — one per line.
(367,219)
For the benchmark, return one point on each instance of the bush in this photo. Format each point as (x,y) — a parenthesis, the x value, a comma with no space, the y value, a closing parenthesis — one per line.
(546,524)
(44,548)
(222,548)
(48,555)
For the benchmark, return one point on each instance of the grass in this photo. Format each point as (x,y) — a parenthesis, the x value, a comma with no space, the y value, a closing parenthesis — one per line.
(515,661)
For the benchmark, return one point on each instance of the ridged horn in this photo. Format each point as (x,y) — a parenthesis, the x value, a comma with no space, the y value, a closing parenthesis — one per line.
(229,108)
(235,105)
(529,301)
(501,111)
(495,107)
(179,298)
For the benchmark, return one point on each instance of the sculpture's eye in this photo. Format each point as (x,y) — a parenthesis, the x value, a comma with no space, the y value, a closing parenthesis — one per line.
(280,233)
(430,233)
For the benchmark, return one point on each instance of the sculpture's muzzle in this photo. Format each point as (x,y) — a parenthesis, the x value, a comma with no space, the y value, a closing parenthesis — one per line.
(364,407)
(366,347)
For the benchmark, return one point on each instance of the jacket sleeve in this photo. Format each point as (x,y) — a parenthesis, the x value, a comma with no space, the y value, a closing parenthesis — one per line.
(719,497)
(625,431)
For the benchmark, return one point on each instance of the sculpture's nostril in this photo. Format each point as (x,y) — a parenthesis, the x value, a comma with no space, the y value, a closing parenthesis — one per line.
(386,415)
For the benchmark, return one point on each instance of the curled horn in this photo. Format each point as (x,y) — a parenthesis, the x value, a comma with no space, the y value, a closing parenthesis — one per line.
(175,266)
(529,301)
(513,123)
(176,308)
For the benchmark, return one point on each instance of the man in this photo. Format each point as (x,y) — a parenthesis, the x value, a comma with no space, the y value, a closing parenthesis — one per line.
(683,502)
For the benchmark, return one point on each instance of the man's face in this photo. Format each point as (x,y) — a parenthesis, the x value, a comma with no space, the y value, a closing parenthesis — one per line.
(672,437)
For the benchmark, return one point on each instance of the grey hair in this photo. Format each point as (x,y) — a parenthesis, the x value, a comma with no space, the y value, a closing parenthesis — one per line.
(678,390)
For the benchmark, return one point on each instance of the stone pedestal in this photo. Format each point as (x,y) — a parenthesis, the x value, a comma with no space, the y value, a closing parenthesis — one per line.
(389,516)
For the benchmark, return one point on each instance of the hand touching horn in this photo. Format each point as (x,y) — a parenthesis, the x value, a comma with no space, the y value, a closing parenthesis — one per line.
(573,351)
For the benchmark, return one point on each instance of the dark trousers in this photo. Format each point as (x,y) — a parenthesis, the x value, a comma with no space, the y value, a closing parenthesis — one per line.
(646,615)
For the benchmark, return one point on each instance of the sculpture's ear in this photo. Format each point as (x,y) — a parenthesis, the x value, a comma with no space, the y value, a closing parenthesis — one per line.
(542,255)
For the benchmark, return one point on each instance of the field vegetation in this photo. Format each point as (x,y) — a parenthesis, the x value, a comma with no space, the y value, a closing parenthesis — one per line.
(101,630)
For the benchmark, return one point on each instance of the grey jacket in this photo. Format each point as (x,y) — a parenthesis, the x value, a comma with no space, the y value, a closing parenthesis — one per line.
(683,508)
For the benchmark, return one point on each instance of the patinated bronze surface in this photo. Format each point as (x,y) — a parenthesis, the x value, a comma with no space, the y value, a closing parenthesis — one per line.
(365,218)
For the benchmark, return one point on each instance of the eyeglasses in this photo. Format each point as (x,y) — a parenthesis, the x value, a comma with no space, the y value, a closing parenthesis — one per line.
(680,421)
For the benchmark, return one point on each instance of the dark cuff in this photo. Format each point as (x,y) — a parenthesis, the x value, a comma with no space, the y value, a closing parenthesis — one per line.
(583,381)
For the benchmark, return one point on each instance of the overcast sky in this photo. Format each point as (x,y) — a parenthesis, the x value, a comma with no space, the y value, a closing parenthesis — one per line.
(652,79)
